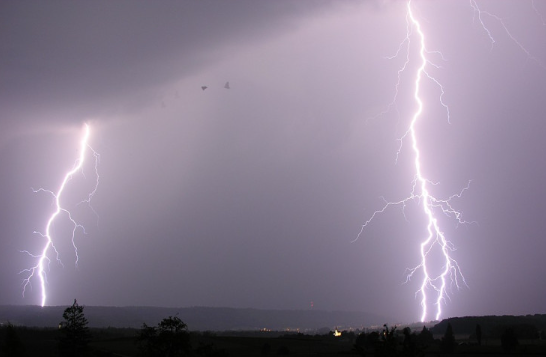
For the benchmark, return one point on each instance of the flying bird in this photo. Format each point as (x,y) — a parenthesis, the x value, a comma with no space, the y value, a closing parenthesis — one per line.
(204,87)
(226,86)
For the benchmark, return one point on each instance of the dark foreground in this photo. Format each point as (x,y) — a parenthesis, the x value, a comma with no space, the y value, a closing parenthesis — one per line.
(122,342)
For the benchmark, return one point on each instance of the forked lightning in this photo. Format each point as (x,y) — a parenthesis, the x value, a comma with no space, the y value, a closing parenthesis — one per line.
(433,280)
(38,271)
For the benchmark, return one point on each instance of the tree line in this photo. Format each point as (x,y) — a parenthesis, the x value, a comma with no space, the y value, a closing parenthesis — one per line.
(169,338)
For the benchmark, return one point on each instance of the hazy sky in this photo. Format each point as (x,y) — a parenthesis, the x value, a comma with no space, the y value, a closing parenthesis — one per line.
(252,196)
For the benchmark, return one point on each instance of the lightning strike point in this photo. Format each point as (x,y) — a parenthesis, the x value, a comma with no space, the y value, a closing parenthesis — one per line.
(38,271)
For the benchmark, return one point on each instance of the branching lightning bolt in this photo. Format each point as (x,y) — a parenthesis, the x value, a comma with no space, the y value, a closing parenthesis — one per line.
(542,19)
(480,14)
(38,270)
(450,272)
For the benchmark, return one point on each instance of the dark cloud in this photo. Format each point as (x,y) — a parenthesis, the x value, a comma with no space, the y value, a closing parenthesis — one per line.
(76,60)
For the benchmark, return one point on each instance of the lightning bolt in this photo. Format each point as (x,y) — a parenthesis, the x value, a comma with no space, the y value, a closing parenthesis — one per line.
(433,280)
(481,14)
(38,270)
(541,17)
(435,235)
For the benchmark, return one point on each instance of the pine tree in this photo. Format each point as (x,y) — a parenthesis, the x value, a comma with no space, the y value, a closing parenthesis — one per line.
(448,341)
(75,331)
(479,334)
(170,338)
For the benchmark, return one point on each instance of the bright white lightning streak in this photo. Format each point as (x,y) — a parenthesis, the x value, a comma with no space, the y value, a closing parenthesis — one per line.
(435,238)
(435,235)
(39,268)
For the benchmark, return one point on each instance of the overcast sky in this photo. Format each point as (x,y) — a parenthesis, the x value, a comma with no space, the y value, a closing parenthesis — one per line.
(252,196)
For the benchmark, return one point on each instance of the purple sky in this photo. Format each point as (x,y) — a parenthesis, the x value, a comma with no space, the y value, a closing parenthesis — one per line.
(251,197)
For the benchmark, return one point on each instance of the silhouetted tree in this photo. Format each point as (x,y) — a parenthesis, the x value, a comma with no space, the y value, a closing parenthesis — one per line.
(479,334)
(448,341)
(409,345)
(387,343)
(13,345)
(425,337)
(74,330)
(169,339)
(372,339)
(509,340)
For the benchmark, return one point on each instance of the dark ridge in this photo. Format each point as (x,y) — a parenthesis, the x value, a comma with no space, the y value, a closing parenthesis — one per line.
(493,326)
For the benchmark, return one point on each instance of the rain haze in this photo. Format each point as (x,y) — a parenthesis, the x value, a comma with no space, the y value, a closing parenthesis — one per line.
(253,195)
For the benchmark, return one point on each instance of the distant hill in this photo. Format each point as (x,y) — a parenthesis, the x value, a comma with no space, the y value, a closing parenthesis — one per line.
(492,326)
(197,318)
